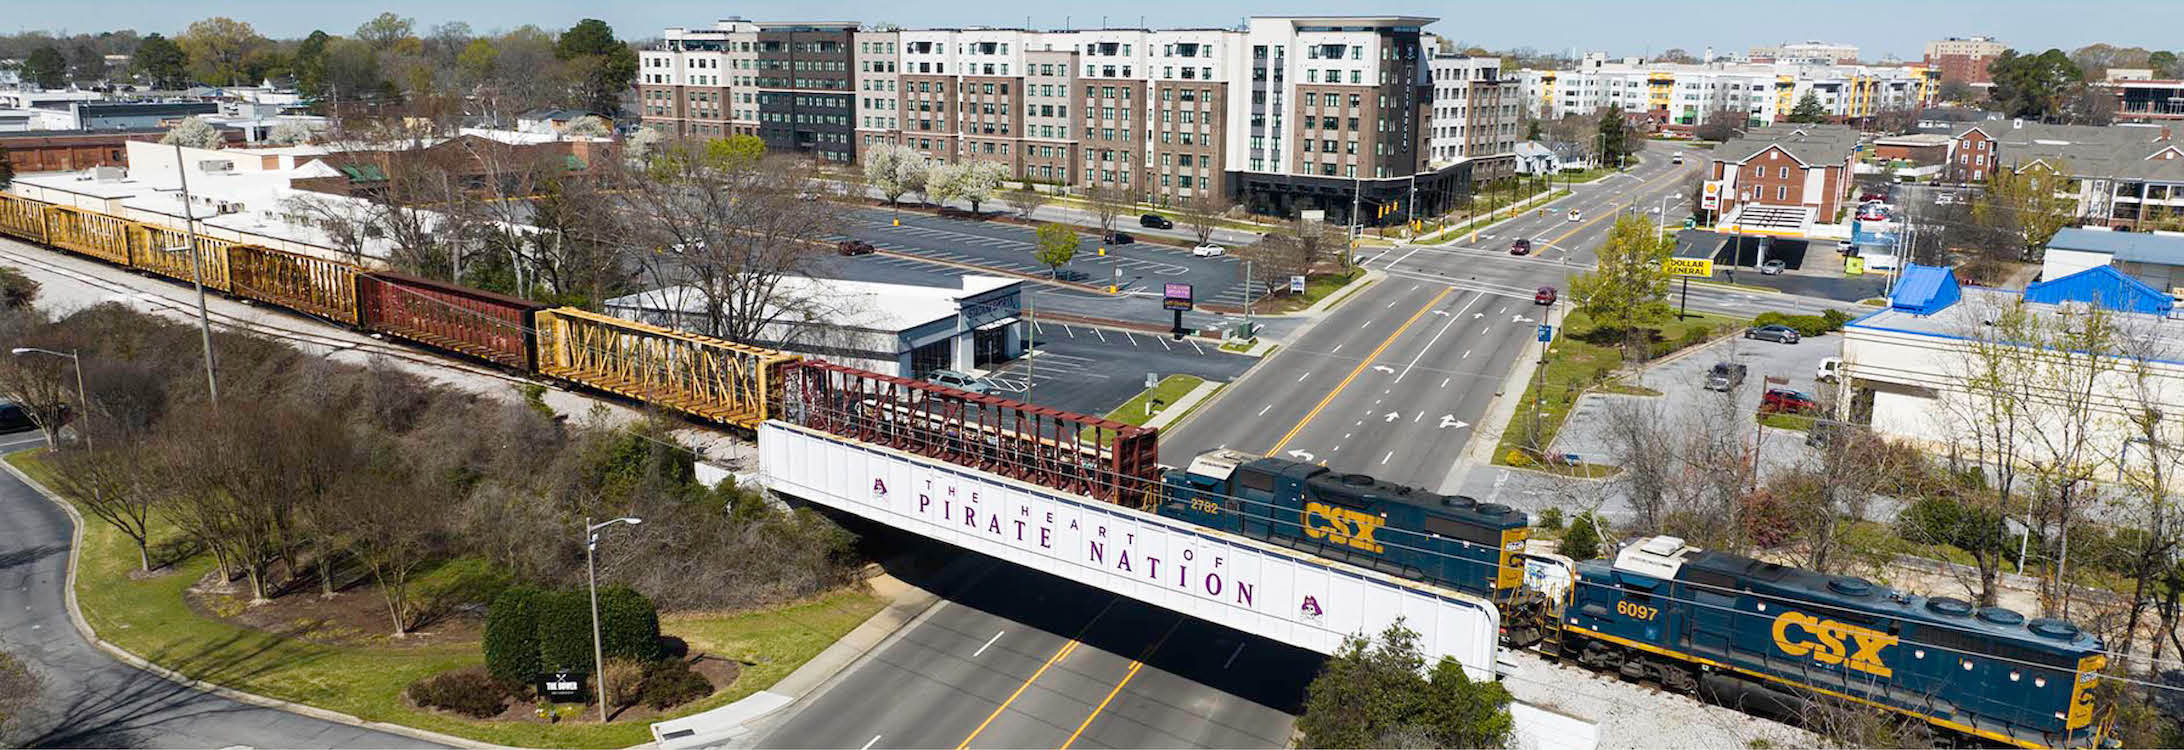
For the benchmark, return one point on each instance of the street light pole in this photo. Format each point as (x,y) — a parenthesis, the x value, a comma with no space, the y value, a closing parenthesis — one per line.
(591,575)
(81,401)
(197,274)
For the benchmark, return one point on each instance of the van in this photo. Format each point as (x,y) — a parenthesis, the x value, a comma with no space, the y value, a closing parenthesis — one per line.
(1829,369)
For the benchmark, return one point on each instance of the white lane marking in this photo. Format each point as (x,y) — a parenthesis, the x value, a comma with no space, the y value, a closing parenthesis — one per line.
(1391,303)
(1384,459)
(1071,331)
(1103,337)
(1368,324)
(1444,382)
(1406,256)
(1164,343)
(1300,378)
(1263,411)
(1194,346)
(981,650)
(1437,337)
(1036,328)
(1133,339)
(1421,415)
(1467,354)
(1232,655)
(869,743)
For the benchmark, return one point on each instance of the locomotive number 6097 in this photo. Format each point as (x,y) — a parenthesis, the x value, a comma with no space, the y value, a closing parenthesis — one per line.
(1636,611)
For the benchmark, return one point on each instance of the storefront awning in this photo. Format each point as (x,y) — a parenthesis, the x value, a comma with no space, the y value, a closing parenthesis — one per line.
(1008,321)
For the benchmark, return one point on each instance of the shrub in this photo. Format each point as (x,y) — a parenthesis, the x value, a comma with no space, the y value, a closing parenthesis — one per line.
(1836,319)
(564,631)
(624,680)
(670,683)
(1550,518)
(470,692)
(1582,541)
(1806,325)
(511,635)
(16,290)
(629,626)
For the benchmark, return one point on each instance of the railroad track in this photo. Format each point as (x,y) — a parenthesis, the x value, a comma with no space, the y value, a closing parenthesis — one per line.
(178,304)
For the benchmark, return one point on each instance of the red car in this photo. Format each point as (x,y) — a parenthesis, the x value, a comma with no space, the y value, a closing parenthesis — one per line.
(854,247)
(1520,247)
(1545,296)
(1786,401)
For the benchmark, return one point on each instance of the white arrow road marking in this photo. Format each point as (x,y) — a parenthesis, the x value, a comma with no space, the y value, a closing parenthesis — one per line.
(1392,416)
(1450,420)
(1301,456)
(1519,319)
(1384,368)
(1477,315)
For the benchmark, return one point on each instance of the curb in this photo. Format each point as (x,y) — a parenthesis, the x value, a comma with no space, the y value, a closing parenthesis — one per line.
(83,628)
(1739,287)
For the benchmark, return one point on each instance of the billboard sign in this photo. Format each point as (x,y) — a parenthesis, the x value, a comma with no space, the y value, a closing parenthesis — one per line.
(1690,266)
(1230,580)
(1710,196)
(1176,296)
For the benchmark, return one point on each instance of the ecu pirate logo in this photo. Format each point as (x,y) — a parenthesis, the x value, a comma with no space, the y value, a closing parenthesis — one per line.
(1310,609)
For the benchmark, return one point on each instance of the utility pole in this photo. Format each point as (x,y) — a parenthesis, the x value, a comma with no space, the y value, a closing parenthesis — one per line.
(1031,344)
(1357,195)
(197,275)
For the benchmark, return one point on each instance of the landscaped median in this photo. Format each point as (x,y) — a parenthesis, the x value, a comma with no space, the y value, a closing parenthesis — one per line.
(160,617)
(1582,358)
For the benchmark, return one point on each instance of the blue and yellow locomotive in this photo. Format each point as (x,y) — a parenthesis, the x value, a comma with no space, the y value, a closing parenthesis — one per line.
(1449,541)
(1666,611)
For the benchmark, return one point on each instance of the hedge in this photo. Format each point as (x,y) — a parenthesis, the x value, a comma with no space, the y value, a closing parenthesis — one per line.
(1809,325)
(511,635)
(629,626)
(564,631)
(531,631)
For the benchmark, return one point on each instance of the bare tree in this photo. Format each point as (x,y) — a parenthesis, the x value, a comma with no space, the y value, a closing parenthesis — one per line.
(1273,259)
(1106,205)
(394,522)
(43,385)
(1202,213)
(109,483)
(1027,200)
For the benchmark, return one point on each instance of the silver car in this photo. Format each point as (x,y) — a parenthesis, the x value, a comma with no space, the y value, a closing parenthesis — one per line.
(959,381)
(1780,334)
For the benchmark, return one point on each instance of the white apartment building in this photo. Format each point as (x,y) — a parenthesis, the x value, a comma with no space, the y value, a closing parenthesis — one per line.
(1684,94)
(1474,109)
(1806,53)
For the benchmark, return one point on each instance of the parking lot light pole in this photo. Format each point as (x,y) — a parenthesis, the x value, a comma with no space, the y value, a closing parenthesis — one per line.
(81,402)
(591,575)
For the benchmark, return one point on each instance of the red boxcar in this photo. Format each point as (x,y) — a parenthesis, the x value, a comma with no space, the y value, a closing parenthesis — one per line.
(479,323)
(1087,455)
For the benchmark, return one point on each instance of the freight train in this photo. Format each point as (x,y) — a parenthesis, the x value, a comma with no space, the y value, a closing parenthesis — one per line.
(1660,610)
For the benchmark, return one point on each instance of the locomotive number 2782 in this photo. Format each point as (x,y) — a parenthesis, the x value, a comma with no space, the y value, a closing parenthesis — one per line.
(1636,611)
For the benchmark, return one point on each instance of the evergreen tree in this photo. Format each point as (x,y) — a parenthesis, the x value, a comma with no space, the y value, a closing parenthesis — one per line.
(1614,136)
(1582,541)
(604,65)
(162,61)
(45,67)
(1377,693)
(1809,109)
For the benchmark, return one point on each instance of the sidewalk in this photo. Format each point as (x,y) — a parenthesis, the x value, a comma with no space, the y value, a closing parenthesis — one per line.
(1183,406)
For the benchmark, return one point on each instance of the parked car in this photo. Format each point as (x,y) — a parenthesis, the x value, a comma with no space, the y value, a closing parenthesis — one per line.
(1209,251)
(1786,401)
(1829,369)
(14,418)
(1780,334)
(1676,158)
(1873,198)
(1118,238)
(1576,215)
(854,247)
(1725,376)
(1155,221)
(1545,296)
(1771,268)
(1944,198)
(1520,247)
(959,381)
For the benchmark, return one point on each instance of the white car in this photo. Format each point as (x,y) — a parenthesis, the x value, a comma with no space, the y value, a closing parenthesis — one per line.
(1208,251)
(1576,215)
(1829,369)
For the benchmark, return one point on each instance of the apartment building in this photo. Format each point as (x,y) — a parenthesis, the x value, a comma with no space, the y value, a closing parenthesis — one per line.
(1682,94)
(1281,114)
(1474,113)
(1964,59)
(2127,176)
(1806,53)
(1783,178)
(2140,97)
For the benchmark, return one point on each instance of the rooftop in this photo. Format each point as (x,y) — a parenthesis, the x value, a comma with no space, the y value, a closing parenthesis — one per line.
(2164,248)
(865,305)
(1810,144)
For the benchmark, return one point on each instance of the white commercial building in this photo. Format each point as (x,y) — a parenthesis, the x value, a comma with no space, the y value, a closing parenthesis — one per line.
(904,330)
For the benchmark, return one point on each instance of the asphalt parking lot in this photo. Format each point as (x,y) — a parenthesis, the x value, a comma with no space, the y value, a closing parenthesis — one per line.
(1093,370)
(1684,398)
(1010,247)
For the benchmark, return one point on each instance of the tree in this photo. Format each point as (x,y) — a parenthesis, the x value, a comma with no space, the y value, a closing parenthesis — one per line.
(1582,541)
(45,68)
(217,47)
(1975,528)
(194,132)
(1809,110)
(981,179)
(2033,86)
(594,126)
(1628,288)
(7,169)
(1676,55)
(1377,693)
(1532,130)
(1272,260)
(110,484)
(1614,137)
(2029,204)
(289,133)
(384,30)
(2164,64)
(477,63)
(1721,124)
(1956,90)
(1107,204)
(350,70)
(1202,212)
(17,291)
(162,61)
(86,64)
(1312,242)
(895,169)
(1026,199)
(43,385)
(309,63)
(605,67)
(735,152)
(1055,245)
(393,522)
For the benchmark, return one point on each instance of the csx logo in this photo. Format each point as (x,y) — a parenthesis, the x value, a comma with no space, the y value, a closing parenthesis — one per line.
(1342,526)
(1831,642)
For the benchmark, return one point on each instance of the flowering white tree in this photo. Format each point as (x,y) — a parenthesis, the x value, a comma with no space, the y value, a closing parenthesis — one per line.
(979,181)
(289,133)
(896,169)
(641,144)
(194,132)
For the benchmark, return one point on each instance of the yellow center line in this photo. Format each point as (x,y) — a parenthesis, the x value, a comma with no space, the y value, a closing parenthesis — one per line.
(1361,365)
(1611,212)
(1058,655)
(1135,665)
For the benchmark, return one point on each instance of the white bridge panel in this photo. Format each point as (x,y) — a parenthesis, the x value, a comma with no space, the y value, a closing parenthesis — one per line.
(1241,583)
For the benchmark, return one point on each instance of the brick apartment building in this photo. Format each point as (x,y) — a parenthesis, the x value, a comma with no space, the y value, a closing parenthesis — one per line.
(1281,114)
(1964,59)
(2124,176)
(1789,169)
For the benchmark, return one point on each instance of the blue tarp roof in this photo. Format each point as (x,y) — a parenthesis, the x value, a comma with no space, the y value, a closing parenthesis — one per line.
(2105,286)
(1925,290)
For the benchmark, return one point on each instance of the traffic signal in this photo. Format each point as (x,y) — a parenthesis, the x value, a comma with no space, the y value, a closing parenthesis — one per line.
(1103,252)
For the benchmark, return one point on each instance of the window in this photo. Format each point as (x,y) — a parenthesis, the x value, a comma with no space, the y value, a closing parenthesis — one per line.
(1782,192)
(1783,172)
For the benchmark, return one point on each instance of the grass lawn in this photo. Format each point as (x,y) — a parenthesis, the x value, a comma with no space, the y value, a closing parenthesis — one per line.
(1785,421)
(1168,391)
(1575,366)
(150,618)
(1316,288)
(1488,206)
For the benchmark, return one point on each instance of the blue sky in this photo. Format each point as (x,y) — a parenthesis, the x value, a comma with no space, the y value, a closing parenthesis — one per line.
(1623,27)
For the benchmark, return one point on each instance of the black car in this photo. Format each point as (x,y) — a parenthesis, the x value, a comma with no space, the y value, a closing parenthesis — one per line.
(13,418)
(1155,221)
(1118,238)
(1725,376)
(1780,334)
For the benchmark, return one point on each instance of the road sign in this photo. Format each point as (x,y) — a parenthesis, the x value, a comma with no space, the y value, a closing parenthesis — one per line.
(1690,267)
(1296,285)
(1546,333)
(1710,195)
(1151,380)
(1176,296)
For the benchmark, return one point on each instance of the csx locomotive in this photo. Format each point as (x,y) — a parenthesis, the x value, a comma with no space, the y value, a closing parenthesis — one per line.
(1450,541)
(1666,611)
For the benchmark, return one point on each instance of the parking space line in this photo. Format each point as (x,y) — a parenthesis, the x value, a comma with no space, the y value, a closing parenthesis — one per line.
(1133,339)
